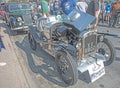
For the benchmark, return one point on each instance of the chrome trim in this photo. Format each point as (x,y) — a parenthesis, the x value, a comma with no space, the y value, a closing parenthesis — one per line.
(83,64)
(21,28)
(83,42)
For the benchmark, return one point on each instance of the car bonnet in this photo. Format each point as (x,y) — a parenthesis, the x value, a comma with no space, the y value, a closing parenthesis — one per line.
(82,21)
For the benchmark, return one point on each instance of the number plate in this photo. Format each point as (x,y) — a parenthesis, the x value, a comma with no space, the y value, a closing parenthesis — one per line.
(96,71)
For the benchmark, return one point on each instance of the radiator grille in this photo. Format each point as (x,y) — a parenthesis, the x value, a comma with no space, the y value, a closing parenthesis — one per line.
(27,18)
(89,44)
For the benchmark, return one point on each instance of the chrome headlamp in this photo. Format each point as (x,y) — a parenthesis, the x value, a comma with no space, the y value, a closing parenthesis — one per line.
(20,23)
(79,48)
(78,45)
(19,19)
(35,17)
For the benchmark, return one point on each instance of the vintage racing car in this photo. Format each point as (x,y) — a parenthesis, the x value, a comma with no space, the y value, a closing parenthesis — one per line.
(76,48)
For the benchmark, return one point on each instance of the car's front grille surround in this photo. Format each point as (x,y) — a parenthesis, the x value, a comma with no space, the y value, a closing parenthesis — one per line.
(27,18)
(89,43)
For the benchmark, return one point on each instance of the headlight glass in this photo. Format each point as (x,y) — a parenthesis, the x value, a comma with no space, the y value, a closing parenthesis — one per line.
(20,23)
(78,45)
(35,17)
(19,19)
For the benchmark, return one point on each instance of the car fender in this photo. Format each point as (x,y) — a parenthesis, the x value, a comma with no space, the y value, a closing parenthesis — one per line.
(33,31)
(66,48)
(69,49)
(60,47)
(13,20)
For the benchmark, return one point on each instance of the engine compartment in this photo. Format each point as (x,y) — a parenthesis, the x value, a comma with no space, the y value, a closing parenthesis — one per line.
(65,34)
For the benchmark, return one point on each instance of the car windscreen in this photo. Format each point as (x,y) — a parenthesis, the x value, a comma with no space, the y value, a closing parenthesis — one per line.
(13,7)
(25,6)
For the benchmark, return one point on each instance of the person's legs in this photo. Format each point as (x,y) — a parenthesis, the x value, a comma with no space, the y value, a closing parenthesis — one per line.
(107,16)
(102,17)
(112,20)
(97,19)
(115,20)
(44,15)
(47,14)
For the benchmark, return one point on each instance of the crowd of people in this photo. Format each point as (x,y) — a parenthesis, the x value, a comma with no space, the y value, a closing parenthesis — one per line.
(101,9)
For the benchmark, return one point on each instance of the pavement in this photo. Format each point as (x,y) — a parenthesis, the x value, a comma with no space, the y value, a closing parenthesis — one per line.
(11,74)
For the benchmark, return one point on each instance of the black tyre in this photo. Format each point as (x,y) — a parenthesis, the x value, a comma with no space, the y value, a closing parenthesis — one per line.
(106,48)
(66,67)
(13,32)
(32,41)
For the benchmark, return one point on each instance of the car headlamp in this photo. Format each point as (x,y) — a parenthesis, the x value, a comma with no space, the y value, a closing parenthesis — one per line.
(19,19)
(20,23)
(35,17)
(78,45)
(79,48)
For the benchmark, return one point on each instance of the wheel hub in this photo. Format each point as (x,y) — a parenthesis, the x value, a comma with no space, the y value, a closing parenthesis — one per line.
(63,67)
(101,51)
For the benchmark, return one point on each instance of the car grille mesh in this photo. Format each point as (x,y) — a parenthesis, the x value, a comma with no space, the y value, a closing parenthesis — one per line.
(89,44)
(27,19)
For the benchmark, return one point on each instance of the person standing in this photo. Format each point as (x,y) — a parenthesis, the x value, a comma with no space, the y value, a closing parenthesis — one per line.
(68,6)
(115,8)
(102,10)
(82,5)
(94,10)
(56,7)
(108,10)
(51,6)
(38,5)
(87,1)
(44,8)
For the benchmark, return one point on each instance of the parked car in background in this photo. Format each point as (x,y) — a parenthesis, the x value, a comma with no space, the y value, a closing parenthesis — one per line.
(2,10)
(19,16)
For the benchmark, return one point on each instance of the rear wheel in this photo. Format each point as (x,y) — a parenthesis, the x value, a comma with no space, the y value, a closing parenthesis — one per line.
(66,67)
(106,48)
(32,41)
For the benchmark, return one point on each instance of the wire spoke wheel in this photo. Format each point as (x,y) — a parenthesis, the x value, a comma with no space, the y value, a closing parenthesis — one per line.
(67,68)
(105,48)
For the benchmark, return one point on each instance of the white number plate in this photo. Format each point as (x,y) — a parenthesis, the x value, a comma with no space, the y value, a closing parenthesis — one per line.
(96,71)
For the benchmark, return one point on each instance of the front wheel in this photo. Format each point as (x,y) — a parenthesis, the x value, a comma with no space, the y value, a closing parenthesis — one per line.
(106,48)
(66,67)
